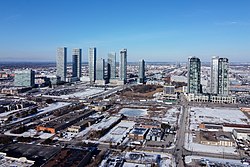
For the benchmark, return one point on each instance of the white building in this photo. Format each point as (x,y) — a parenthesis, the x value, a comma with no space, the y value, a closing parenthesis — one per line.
(92,64)
(210,98)
(241,134)
(219,76)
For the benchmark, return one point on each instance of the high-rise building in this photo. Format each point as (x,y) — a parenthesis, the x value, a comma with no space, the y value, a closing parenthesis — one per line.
(141,77)
(24,78)
(92,64)
(219,76)
(100,65)
(194,75)
(214,75)
(61,63)
(123,65)
(112,65)
(77,63)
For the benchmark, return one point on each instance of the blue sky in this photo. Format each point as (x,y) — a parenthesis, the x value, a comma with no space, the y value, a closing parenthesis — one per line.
(156,30)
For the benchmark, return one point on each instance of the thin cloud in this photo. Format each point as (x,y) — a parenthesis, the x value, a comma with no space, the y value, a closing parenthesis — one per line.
(231,23)
(12,17)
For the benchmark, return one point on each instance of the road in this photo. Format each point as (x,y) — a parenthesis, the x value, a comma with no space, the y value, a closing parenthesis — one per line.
(179,150)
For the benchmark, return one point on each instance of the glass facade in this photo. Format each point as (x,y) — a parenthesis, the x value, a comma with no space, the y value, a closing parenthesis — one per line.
(219,76)
(141,77)
(112,65)
(77,63)
(61,63)
(100,66)
(24,78)
(123,65)
(194,76)
(92,64)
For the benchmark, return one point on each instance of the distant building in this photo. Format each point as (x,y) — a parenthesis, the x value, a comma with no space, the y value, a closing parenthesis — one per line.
(61,63)
(194,75)
(77,63)
(112,65)
(141,77)
(100,65)
(169,90)
(25,78)
(169,94)
(123,65)
(219,76)
(92,64)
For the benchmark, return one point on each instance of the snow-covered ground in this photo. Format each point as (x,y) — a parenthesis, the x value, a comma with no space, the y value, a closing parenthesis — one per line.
(4,114)
(117,133)
(133,112)
(190,145)
(171,116)
(216,115)
(80,94)
(212,115)
(188,159)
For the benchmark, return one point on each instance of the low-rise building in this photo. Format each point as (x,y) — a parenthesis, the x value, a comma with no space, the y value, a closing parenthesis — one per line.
(216,138)
(65,121)
(223,99)
(168,90)
(76,128)
(241,134)
(197,97)
(11,161)
(143,158)
(210,98)
(138,133)
(71,157)
(149,125)
(155,134)
(15,90)
(207,126)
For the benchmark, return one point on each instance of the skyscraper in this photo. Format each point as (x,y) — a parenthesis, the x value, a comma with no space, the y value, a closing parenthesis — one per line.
(214,75)
(77,63)
(25,78)
(112,65)
(61,63)
(194,75)
(92,64)
(141,78)
(100,65)
(219,76)
(123,65)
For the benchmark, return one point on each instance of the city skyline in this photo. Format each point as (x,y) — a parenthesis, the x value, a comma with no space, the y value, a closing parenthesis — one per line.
(172,31)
